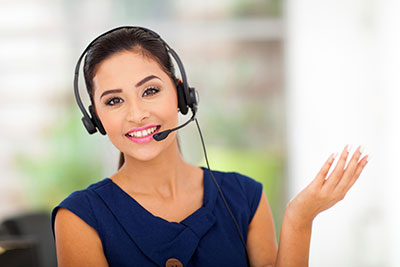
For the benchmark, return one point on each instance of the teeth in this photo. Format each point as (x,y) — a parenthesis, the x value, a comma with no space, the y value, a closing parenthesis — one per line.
(143,133)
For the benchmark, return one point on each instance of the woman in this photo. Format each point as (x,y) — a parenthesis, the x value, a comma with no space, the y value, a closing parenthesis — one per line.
(158,210)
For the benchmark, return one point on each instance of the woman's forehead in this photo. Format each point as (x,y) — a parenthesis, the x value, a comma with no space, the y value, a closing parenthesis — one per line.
(127,60)
(125,67)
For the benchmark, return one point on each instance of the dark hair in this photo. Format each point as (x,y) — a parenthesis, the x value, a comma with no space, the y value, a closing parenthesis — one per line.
(126,39)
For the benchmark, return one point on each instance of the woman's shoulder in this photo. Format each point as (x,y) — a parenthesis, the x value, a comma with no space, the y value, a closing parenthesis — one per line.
(235,178)
(81,203)
(84,195)
(240,188)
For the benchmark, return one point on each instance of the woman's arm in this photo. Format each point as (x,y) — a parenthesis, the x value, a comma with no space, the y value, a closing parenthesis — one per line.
(261,241)
(318,196)
(77,243)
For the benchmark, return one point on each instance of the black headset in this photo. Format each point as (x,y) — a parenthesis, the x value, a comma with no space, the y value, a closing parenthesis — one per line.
(187,96)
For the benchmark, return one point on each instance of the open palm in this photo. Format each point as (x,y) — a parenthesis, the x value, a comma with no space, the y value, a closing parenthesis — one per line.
(322,193)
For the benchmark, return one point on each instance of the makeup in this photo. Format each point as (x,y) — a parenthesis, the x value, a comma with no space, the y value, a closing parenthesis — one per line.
(143,134)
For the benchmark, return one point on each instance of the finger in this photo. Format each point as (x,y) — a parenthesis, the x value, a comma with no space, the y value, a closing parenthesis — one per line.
(349,171)
(320,178)
(337,173)
(360,167)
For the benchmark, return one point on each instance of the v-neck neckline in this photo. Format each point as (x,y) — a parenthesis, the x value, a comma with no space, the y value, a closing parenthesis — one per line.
(156,237)
(204,202)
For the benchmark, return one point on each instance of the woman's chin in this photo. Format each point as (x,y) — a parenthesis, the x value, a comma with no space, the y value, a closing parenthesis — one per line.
(147,151)
(142,156)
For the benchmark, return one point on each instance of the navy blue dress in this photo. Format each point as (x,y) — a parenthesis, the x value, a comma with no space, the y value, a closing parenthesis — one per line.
(132,236)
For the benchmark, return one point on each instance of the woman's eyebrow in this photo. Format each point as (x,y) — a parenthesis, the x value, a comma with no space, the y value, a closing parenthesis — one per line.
(110,92)
(148,78)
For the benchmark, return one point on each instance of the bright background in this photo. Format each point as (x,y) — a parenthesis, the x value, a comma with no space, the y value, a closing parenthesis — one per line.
(282,85)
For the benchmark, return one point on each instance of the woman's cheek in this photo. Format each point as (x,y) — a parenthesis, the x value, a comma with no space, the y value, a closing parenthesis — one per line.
(116,127)
(112,125)
(170,107)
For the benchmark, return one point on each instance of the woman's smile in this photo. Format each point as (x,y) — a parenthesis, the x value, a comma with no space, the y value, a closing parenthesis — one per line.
(141,101)
(143,134)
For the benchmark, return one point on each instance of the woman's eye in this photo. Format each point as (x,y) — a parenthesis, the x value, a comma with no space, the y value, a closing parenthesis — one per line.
(113,101)
(151,91)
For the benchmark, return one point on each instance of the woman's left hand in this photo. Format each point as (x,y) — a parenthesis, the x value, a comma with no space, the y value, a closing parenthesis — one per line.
(322,193)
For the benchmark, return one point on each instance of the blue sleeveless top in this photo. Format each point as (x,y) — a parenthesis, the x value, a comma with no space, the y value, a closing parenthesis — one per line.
(132,236)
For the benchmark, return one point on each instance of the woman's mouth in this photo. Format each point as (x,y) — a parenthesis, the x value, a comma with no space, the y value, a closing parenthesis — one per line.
(143,136)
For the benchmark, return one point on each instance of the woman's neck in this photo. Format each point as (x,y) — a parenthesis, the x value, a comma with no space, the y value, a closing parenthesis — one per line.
(163,176)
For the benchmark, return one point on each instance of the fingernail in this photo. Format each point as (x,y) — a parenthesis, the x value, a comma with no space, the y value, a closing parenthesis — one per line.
(368,158)
(348,148)
(361,149)
(334,155)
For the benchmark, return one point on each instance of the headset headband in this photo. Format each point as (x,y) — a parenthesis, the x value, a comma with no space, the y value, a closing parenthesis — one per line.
(189,95)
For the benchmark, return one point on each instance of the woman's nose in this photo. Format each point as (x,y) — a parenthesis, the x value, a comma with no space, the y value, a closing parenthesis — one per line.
(137,112)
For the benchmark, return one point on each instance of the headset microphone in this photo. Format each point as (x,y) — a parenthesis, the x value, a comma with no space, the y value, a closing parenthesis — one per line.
(162,135)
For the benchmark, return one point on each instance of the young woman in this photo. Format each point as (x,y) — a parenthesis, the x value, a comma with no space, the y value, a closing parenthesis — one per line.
(158,210)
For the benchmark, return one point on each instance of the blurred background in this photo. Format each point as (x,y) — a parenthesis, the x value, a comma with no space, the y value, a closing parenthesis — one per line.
(282,84)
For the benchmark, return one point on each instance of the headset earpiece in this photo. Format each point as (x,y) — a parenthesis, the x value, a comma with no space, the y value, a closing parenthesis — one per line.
(90,127)
(186,100)
(193,98)
(96,121)
(182,105)
(187,96)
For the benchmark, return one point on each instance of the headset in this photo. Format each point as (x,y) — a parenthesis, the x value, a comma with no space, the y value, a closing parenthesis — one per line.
(188,98)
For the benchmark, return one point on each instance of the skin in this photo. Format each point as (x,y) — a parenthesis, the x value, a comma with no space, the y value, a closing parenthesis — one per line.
(168,187)
(321,194)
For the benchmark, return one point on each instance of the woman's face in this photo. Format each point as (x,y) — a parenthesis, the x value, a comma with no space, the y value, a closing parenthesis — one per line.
(130,92)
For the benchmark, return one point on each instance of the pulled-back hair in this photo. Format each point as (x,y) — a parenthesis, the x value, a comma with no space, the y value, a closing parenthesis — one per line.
(126,39)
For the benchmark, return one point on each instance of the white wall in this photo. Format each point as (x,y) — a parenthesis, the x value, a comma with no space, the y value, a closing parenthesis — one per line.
(342,67)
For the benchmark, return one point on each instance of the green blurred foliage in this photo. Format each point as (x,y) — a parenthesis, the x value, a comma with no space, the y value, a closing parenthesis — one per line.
(257,8)
(67,165)
(168,8)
